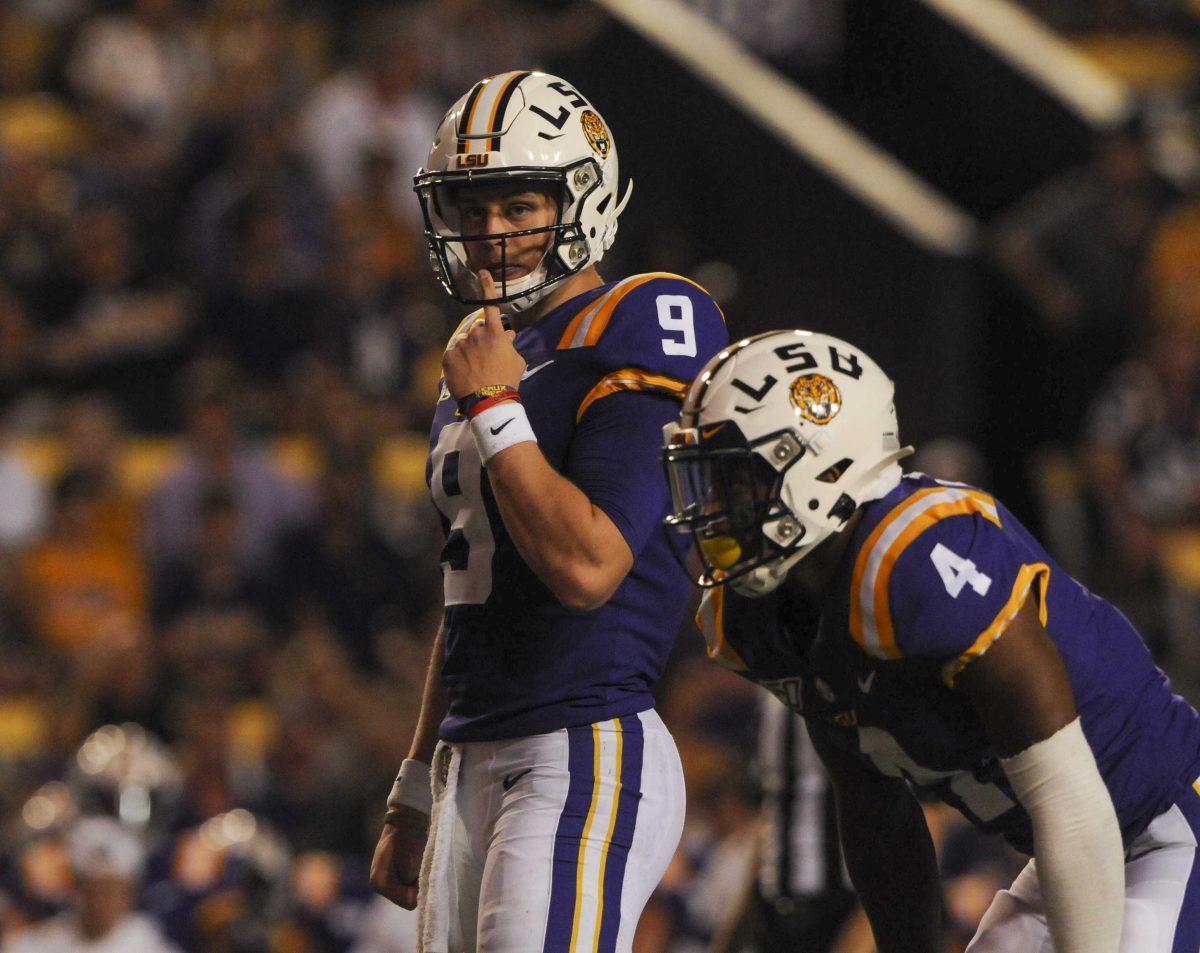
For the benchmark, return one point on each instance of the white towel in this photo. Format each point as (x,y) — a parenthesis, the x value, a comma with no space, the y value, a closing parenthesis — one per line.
(437,895)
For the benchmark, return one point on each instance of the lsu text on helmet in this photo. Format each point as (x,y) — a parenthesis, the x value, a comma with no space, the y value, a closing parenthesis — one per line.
(521,129)
(781,438)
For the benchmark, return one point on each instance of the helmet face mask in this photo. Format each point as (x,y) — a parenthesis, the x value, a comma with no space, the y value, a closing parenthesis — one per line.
(799,427)
(727,496)
(516,131)
(450,246)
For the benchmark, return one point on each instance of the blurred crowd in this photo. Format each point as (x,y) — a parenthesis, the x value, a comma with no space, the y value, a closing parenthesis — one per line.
(219,341)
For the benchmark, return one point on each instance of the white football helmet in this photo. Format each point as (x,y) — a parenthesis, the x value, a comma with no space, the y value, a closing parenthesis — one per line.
(781,438)
(519,127)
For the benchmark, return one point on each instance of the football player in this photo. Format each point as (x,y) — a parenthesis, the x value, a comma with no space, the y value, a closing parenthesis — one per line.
(558,794)
(933,645)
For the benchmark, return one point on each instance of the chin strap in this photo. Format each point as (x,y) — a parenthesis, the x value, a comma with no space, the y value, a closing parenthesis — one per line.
(765,579)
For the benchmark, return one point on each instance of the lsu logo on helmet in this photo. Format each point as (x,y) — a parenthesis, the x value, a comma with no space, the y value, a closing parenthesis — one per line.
(597,135)
(817,398)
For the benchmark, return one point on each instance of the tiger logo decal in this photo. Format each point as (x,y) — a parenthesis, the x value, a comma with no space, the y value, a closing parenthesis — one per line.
(597,135)
(817,398)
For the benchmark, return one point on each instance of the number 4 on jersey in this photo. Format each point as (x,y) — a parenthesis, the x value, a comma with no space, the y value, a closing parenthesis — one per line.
(957,572)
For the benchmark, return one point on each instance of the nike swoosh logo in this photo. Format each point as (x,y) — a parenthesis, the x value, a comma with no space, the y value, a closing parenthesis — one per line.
(865,683)
(709,432)
(512,779)
(529,372)
(496,430)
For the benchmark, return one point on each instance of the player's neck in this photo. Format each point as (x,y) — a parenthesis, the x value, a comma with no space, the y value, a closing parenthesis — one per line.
(577,284)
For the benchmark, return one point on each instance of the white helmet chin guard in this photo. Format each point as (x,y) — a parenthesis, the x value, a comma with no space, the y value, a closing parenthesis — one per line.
(532,130)
(781,438)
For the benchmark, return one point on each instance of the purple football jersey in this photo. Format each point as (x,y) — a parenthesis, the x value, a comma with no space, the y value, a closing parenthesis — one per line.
(604,372)
(930,579)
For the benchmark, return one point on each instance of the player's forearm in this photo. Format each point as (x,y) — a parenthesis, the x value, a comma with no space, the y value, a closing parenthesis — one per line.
(560,534)
(1077,840)
(433,704)
(892,864)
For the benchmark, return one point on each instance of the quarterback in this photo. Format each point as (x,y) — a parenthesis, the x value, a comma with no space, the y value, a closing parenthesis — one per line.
(933,646)
(557,794)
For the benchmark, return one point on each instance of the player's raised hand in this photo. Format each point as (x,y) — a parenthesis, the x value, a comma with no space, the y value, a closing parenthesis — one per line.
(484,354)
(396,866)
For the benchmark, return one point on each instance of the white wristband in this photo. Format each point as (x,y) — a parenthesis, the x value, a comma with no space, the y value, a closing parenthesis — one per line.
(411,787)
(499,427)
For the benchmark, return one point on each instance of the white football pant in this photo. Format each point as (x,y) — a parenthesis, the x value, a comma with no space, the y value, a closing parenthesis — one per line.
(550,843)
(1162,895)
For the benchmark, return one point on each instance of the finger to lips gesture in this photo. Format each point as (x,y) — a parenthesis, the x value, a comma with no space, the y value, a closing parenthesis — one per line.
(484,354)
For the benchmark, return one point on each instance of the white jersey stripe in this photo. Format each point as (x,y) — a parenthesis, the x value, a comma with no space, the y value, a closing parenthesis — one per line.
(866,592)
(586,324)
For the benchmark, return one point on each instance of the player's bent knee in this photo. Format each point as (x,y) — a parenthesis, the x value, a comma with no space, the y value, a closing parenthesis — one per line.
(1009,926)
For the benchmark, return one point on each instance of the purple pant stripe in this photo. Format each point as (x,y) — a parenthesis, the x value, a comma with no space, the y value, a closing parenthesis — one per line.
(622,839)
(580,764)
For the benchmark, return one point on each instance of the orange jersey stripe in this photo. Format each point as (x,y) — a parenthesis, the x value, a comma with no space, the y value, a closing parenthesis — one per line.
(927,513)
(599,313)
(630,378)
(1026,578)
(572,329)
(860,564)
(712,610)
(883,608)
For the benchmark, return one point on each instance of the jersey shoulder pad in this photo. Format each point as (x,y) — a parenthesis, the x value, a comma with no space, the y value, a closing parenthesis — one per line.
(940,578)
(651,332)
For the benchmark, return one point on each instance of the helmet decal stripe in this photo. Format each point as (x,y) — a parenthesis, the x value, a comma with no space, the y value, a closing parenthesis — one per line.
(870,614)
(632,379)
(464,122)
(496,123)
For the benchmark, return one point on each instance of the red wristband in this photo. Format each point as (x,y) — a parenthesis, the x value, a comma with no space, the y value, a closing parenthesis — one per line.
(485,397)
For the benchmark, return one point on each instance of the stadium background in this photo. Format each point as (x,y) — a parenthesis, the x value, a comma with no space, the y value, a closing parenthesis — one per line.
(219,341)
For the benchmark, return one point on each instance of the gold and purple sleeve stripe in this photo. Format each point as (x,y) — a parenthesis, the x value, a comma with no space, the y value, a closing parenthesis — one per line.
(1035,577)
(870,605)
(594,837)
(631,379)
(585,329)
